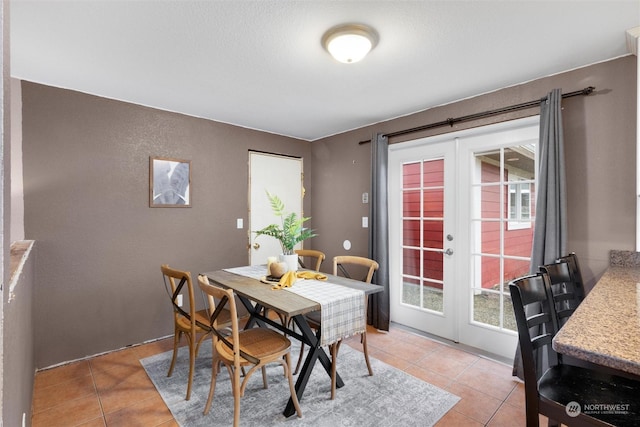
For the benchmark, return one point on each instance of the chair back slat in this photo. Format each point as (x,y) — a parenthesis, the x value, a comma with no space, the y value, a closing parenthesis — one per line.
(183,278)
(340,262)
(538,319)
(566,286)
(541,340)
(537,324)
(226,299)
(576,274)
(567,296)
(311,254)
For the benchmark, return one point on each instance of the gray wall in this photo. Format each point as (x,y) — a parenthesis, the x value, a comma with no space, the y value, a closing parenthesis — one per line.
(99,246)
(86,183)
(600,138)
(18,340)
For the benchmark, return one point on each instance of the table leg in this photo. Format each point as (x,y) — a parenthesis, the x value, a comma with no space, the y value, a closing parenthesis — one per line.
(315,352)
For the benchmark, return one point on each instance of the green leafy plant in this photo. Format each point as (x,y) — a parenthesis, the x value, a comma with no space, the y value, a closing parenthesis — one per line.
(291,230)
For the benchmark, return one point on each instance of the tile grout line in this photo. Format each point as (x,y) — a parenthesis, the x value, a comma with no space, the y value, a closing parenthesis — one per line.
(95,386)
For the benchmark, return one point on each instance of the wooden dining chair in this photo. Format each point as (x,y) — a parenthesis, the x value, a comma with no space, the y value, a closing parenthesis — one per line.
(347,266)
(311,255)
(255,347)
(187,320)
(552,388)
(344,266)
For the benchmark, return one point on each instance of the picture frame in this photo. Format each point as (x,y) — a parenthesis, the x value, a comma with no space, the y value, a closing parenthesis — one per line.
(169,182)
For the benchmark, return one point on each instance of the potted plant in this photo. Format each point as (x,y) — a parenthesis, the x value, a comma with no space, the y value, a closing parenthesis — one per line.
(289,232)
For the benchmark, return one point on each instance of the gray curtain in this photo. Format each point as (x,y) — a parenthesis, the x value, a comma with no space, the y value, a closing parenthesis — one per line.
(550,232)
(378,314)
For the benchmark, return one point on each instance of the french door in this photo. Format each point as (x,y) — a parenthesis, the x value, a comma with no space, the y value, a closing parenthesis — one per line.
(422,267)
(461,215)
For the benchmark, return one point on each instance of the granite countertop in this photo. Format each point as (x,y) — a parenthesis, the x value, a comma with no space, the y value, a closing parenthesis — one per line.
(605,328)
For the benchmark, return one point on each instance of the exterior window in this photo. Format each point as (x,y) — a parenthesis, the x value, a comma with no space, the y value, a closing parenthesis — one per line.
(519,206)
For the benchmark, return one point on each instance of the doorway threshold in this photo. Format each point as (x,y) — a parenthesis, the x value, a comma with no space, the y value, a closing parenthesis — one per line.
(472,350)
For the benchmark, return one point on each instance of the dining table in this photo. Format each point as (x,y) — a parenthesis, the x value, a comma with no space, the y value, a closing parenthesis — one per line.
(605,327)
(259,298)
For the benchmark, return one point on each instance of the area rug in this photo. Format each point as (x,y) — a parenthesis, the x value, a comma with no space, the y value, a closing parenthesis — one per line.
(388,398)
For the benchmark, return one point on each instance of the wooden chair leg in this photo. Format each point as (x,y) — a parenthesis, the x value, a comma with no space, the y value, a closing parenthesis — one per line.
(334,361)
(176,340)
(283,320)
(300,357)
(215,368)
(192,367)
(236,398)
(292,388)
(366,353)
(265,384)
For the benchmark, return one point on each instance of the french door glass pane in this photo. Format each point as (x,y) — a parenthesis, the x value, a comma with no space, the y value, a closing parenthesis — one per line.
(432,296)
(490,237)
(411,174)
(411,232)
(411,204)
(411,262)
(433,203)
(433,265)
(432,234)
(422,227)
(433,173)
(503,191)
(514,268)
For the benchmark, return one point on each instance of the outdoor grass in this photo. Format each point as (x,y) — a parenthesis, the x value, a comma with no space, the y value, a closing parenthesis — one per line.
(486,305)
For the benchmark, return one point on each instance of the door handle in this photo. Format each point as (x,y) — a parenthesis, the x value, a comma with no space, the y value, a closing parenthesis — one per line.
(256,245)
(449,251)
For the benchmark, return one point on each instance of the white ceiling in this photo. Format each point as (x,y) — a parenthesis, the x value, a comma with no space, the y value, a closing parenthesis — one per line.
(260,65)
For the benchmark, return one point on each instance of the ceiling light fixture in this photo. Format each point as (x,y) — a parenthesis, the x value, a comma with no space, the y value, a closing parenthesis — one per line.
(350,43)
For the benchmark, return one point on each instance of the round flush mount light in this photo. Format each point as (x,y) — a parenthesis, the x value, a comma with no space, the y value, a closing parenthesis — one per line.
(350,43)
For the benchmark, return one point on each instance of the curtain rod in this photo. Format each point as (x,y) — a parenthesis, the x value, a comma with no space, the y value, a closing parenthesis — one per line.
(452,121)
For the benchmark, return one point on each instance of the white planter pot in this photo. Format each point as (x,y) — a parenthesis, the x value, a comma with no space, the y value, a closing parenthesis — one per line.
(291,260)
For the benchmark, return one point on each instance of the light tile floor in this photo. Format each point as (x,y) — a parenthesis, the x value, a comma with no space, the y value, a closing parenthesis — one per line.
(114,390)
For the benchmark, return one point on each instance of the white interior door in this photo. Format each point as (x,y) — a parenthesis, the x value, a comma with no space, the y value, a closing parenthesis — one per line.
(461,216)
(281,176)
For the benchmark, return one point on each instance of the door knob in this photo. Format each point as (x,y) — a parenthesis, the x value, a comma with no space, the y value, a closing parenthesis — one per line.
(449,251)
(256,245)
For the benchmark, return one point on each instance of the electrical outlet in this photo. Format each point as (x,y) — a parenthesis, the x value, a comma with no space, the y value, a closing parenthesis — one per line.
(179,300)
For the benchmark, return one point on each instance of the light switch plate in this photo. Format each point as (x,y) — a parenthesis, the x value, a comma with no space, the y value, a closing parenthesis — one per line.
(365,222)
(239,223)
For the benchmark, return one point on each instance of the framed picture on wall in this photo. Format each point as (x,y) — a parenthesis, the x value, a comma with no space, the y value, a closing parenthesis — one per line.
(169,183)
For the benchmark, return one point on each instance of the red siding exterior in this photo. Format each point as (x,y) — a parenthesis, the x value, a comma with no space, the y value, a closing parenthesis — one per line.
(517,242)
